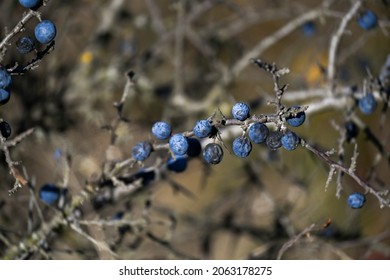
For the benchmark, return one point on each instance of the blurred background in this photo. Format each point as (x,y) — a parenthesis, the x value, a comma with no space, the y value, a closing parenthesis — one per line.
(190,60)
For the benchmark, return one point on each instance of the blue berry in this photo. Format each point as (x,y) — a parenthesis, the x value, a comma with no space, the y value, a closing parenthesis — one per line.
(30,4)
(45,31)
(298,119)
(177,164)
(49,193)
(290,141)
(356,200)
(309,28)
(5,79)
(161,130)
(145,175)
(367,104)
(5,95)
(25,45)
(368,20)
(5,129)
(240,111)
(194,147)
(242,147)
(202,128)
(141,151)
(213,153)
(258,132)
(178,144)
(118,216)
(351,130)
(274,140)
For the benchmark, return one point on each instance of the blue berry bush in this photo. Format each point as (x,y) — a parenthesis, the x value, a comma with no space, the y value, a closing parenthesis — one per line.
(202,139)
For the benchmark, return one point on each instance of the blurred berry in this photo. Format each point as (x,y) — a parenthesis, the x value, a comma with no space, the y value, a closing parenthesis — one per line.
(177,164)
(351,130)
(367,104)
(5,95)
(178,144)
(194,147)
(145,175)
(45,31)
(290,141)
(213,153)
(161,130)
(118,216)
(141,151)
(25,45)
(30,4)
(274,140)
(258,132)
(368,20)
(49,193)
(309,28)
(5,129)
(242,147)
(240,111)
(356,200)
(202,128)
(5,79)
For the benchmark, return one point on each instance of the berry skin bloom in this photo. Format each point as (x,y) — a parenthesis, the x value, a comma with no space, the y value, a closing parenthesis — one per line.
(367,104)
(194,147)
(179,164)
(213,153)
(202,128)
(356,200)
(290,141)
(242,147)
(25,45)
(45,31)
(368,20)
(5,95)
(5,79)
(178,144)
(161,130)
(141,151)
(298,119)
(49,193)
(274,140)
(5,129)
(258,132)
(30,4)
(240,111)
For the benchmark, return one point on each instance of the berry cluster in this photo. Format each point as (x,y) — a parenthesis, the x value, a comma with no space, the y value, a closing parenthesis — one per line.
(45,32)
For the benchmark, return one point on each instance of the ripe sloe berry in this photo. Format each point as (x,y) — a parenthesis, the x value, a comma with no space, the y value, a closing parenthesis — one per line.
(178,144)
(240,111)
(368,20)
(290,141)
(5,79)
(242,147)
(49,193)
(161,130)
(309,28)
(356,200)
(213,153)
(5,129)
(202,128)
(194,147)
(367,104)
(30,4)
(351,130)
(298,119)
(258,132)
(5,95)
(141,151)
(177,164)
(45,31)
(25,45)
(274,140)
